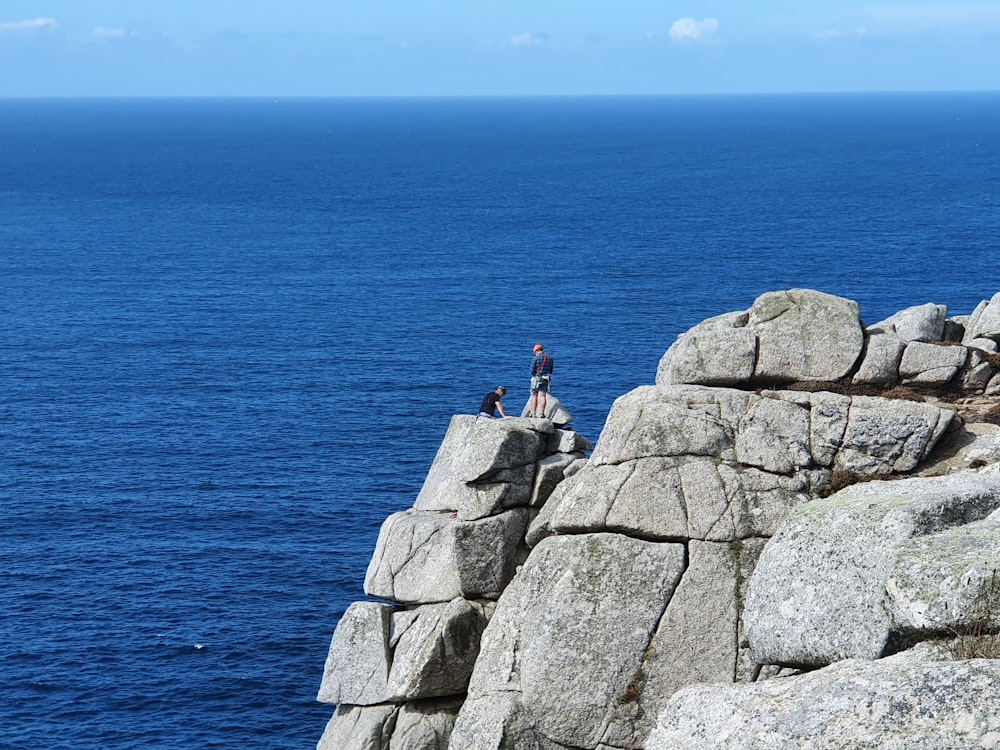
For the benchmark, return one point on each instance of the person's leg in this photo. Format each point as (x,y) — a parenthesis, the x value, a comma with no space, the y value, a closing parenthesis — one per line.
(534,402)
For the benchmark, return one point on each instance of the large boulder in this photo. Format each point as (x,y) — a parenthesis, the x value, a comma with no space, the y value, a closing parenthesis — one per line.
(907,702)
(359,728)
(483,466)
(880,361)
(565,647)
(818,593)
(985,321)
(721,464)
(931,364)
(800,334)
(948,581)
(555,413)
(427,557)
(919,323)
(420,725)
(382,654)
(886,436)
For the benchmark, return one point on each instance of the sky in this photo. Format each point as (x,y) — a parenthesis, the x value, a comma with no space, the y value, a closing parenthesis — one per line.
(493,47)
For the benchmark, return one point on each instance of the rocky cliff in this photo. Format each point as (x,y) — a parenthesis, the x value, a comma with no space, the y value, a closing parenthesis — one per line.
(789,540)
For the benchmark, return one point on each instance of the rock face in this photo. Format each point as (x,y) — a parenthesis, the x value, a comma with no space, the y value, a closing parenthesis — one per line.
(819,591)
(398,671)
(535,597)
(610,588)
(906,702)
(800,334)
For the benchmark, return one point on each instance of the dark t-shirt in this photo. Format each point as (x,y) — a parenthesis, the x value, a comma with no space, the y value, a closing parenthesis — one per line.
(489,405)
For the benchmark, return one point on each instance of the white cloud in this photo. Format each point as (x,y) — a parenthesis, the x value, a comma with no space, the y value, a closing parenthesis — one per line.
(951,21)
(30,24)
(104,34)
(692,30)
(831,34)
(527,39)
(940,15)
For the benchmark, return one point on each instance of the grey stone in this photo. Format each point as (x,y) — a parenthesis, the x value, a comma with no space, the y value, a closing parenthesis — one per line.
(987,345)
(420,725)
(548,474)
(434,649)
(718,351)
(900,703)
(969,445)
(954,330)
(931,364)
(919,323)
(382,654)
(975,375)
(424,725)
(555,413)
(948,581)
(719,464)
(818,592)
(567,441)
(651,421)
(574,467)
(803,334)
(880,365)
(359,728)
(358,662)
(482,466)
(799,334)
(696,640)
(773,435)
(423,557)
(567,640)
(985,321)
(886,436)
(829,414)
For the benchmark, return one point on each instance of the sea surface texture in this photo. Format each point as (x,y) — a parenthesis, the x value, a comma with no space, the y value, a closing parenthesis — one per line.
(232,334)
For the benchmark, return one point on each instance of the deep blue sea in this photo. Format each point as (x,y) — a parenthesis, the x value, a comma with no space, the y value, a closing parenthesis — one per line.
(232,334)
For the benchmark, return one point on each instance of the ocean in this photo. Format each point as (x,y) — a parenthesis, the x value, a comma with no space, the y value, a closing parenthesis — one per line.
(233,332)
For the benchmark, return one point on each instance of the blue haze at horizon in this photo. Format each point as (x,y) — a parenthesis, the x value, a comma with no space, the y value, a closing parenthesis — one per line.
(235,332)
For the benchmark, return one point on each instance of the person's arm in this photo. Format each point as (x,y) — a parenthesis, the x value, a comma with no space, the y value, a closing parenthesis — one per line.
(500,409)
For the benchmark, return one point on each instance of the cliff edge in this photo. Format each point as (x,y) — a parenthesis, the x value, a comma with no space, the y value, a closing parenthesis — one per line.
(791,537)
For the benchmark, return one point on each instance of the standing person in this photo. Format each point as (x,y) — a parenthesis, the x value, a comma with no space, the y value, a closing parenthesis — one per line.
(491,403)
(541,379)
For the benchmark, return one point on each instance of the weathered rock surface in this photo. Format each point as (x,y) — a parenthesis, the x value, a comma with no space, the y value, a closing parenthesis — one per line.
(555,411)
(918,323)
(382,654)
(426,557)
(985,321)
(483,466)
(800,334)
(818,594)
(567,642)
(931,364)
(647,555)
(907,702)
(721,464)
(422,725)
(880,362)
(947,581)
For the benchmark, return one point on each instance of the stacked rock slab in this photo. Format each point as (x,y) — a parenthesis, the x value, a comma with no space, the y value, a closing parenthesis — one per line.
(398,668)
(912,701)
(644,558)
(805,335)
(635,583)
